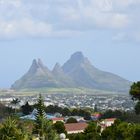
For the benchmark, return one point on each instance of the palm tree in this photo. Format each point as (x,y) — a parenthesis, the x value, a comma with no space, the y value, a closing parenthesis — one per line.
(15,102)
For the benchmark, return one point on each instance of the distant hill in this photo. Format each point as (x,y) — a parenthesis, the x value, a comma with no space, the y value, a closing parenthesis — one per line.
(76,72)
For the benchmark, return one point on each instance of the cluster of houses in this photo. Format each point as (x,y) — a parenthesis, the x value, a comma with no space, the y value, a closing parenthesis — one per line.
(73,128)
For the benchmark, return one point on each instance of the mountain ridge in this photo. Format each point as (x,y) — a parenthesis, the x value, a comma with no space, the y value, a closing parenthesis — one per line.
(76,72)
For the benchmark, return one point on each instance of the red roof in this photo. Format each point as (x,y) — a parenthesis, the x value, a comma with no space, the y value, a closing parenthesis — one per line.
(96,115)
(57,119)
(75,126)
(110,119)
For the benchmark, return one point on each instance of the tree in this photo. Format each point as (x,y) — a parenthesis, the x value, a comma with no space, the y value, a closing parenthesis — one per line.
(15,102)
(49,132)
(71,120)
(135,93)
(53,109)
(75,112)
(114,114)
(5,111)
(121,131)
(26,109)
(66,112)
(137,133)
(137,108)
(10,131)
(135,90)
(59,127)
(95,108)
(78,136)
(92,132)
(81,112)
(40,121)
(43,127)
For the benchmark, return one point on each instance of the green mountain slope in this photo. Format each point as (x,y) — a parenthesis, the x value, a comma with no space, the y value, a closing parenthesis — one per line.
(86,75)
(76,72)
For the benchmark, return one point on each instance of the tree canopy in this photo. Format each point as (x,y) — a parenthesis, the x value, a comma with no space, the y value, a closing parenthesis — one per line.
(121,131)
(72,120)
(59,127)
(10,130)
(135,93)
(43,127)
(26,109)
(135,90)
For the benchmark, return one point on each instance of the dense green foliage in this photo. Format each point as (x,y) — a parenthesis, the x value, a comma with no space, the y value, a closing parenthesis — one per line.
(114,114)
(5,111)
(121,131)
(79,136)
(126,128)
(118,131)
(40,121)
(135,90)
(59,127)
(137,108)
(92,132)
(130,117)
(26,109)
(10,130)
(81,112)
(135,93)
(71,120)
(42,126)
(67,112)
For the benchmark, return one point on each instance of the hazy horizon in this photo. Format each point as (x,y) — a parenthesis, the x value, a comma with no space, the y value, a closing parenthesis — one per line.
(107,32)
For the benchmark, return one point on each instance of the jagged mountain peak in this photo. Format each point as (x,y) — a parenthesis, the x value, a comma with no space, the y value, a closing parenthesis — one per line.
(76,60)
(57,65)
(34,66)
(34,62)
(77,56)
(37,63)
(76,72)
(38,68)
(40,63)
(57,69)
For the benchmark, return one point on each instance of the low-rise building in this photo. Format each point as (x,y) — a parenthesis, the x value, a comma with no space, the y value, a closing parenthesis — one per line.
(54,120)
(106,123)
(73,128)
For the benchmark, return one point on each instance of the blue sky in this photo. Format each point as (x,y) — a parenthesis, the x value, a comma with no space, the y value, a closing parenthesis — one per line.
(106,31)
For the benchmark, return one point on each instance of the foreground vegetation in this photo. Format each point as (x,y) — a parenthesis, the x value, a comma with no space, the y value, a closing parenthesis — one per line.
(13,129)
(118,131)
(126,127)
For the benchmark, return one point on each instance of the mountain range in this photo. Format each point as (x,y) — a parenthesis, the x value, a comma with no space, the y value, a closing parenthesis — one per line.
(77,72)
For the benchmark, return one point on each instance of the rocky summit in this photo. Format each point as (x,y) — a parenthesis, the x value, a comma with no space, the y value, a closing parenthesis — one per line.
(77,72)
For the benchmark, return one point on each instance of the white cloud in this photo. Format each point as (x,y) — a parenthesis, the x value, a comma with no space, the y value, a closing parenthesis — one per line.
(121,36)
(24,28)
(119,20)
(49,17)
(15,3)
